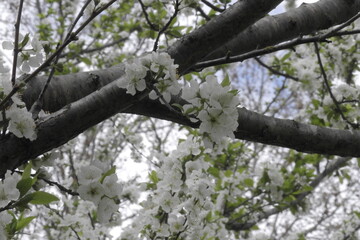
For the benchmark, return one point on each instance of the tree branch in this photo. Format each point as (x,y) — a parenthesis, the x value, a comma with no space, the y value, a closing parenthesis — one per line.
(194,46)
(306,19)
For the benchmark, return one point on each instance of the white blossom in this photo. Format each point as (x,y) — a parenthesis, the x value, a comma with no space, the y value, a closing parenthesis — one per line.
(8,190)
(21,123)
(92,192)
(106,208)
(89,174)
(112,188)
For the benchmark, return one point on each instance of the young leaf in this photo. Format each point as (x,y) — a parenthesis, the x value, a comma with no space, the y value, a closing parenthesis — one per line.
(43,198)
(23,222)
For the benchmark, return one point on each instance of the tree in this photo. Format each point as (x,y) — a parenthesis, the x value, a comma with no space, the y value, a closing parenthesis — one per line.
(149,63)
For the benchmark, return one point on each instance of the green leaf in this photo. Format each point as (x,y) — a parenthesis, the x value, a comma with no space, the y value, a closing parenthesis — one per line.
(42,198)
(111,171)
(24,185)
(249,182)
(214,171)
(22,202)
(86,60)
(190,110)
(178,106)
(226,81)
(23,222)
(27,171)
(228,173)
(11,227)
(286,56)
(23,43)
(153,177)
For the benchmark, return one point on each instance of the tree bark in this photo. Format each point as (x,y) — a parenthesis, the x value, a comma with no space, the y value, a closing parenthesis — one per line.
(194,46)
(271,30)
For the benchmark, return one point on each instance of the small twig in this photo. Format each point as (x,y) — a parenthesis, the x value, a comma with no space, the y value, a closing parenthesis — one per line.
(323,73)
(289,45)
(3,123)
(283,86)
(213,7)
(152,26)
(9,206)
(345,33)
(161,97)
(59,186)
(203,14)
(349,101)
(341,26)
(274,71)
(16,42)
(91,50)
(75,232)
(163,29)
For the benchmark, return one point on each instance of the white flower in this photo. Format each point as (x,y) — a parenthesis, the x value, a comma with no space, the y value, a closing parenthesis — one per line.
(92,192)
(5,218)
(162,230)
(275,176)
(8,45)
(3,68)
(111,187)
(88,174)
(105,209)
(134,78)
(167,201)
(21,123)
(191,93)
(176,223)
(171,181)
(8,190)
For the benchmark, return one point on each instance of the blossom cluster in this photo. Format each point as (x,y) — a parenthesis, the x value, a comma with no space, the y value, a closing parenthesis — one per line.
(31,52)
(162,71)
(180,203)
(8,193)
(215,105)
(21,123)
(101,188)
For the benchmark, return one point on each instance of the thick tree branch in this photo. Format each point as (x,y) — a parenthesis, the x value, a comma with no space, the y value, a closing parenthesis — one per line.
(271,30)
(194,46)
(75,118)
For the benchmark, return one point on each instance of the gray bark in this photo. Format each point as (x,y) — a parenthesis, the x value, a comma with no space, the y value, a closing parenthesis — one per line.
(271,30)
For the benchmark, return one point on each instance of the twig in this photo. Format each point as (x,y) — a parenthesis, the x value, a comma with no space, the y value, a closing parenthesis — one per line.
(323,73)
(266,50)
(16,43)
(59,186)
(163,29)
(274,71)
(283,86)
(213,7)
(341,26)
(203,14)
(152,26)
(91,50)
